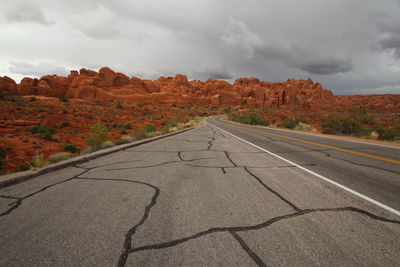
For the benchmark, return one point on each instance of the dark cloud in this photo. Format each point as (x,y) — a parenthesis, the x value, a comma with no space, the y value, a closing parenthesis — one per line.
(392,43)
(327,40)
(210,71)
(23,11)
(325,66)
(37,70)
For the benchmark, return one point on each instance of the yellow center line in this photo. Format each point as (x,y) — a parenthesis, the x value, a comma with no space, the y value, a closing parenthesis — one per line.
(315,144)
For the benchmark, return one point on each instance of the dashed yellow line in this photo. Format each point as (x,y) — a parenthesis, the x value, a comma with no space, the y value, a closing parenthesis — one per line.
(316,144)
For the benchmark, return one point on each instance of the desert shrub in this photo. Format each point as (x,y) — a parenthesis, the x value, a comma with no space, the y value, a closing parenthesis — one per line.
(14,98)
(228,110)
(252,118)
(2,97)
(169,124)
(122,141)
(302,127)
(2,156)
(37,161)
(128,126)
(71,148)
(173,105)
(64,124)
(63,99)
(119,105)
(342,125)
(389,134)
(139,134)
(41,110)
(98,136)
(59,157)
(43,132)
(31,99)
(149,128)
(23,167)
(290,123)
(107,144)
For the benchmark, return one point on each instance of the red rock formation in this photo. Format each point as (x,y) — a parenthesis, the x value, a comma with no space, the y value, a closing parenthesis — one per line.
(107,85)
(7,85)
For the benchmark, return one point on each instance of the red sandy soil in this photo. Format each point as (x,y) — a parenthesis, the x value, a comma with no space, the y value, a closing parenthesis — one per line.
(17,117)
(93,97)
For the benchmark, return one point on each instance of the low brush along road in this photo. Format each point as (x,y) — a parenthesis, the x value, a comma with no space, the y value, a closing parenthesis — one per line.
(222,194)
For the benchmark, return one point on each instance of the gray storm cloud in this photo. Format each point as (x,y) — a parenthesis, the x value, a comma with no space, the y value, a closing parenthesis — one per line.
(349,46)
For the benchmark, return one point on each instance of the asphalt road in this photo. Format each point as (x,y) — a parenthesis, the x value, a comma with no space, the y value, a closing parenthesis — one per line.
(200,198)
(372,170)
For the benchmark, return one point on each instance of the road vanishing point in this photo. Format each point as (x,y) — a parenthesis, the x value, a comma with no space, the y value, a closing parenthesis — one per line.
(221,194)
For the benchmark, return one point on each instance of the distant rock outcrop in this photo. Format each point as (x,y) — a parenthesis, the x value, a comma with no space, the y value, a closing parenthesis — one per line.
(250,92)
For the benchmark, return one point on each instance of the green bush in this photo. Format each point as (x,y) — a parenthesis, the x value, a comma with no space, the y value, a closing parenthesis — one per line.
(252,118)
(23,167)
(98,136)
(122,141)
(342,125)
(59,157)
(389,134)
(64,124)
(2,156)
(149,128)
(288,123)
(63,99)
(70,148)
(139,134)
(169,124)
(43,132)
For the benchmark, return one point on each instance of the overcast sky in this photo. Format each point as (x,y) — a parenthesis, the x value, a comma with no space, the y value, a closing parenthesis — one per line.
(350,46)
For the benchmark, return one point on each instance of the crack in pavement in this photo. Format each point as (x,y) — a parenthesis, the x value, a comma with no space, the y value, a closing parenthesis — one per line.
(248,250)
(9,197)
(271,190)
(131,232)
(108,164)
(341,159)
(229,158)
(19,201)
(252,167)
(159,164)
(210,143)
(265,224)
(128,246)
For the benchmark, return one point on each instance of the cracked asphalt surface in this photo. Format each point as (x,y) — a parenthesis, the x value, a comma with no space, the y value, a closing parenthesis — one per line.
(200,198)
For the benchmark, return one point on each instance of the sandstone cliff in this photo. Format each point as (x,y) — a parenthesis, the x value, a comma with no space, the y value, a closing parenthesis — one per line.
(249,92)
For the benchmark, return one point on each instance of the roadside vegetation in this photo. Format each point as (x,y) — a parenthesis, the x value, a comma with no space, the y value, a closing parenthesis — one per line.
(252,118)
(99,139)
(356,122)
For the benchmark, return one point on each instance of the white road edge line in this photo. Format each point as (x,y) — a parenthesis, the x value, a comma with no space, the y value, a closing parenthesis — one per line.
(392,210)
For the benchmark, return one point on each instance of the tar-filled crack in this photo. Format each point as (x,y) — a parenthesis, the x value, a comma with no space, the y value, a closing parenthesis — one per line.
(248,250)
(322,151)
(159,164)
(270,189)
(9,197)
(128,246)
(108,164)
(210,143)
(263,225)
(19,201)
(230,159)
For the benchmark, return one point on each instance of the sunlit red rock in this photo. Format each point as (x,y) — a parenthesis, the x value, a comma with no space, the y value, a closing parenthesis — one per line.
(109,85)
